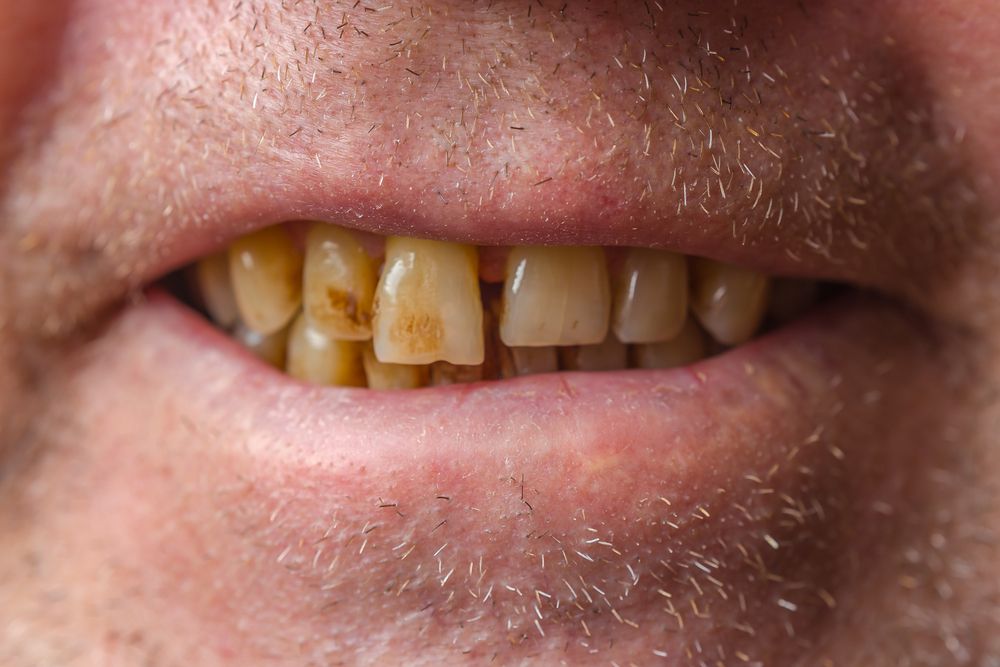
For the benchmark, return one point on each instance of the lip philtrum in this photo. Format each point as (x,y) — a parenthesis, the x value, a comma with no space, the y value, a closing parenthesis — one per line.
(337,308)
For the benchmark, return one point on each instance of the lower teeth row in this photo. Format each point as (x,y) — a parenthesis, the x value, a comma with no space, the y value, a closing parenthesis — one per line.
(326,313)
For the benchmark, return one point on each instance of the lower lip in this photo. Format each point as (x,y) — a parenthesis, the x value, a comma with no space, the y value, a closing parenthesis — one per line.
(633,483)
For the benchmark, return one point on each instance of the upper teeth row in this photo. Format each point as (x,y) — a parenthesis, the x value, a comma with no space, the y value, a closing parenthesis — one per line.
(426,305)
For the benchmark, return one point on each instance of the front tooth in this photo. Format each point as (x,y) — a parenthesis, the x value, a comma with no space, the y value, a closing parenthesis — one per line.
(315,357)
(609,355)
(215,287)
(266,270)
(555,296)
(530,361)
(338,284)
(391,376)
(729,301)
(270,348)
(427,304)
(651,298)
(687,347)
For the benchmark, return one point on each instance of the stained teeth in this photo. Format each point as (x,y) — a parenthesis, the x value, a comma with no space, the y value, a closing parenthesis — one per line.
(436,316)
(338,284)
(651,297)
(610,355)
(427,304)
(270,348)
(530,361)
(212,280)
(729,301)
(391,376)
(315,357)
(266,270)
(555,296)
(443,373)
(686,348)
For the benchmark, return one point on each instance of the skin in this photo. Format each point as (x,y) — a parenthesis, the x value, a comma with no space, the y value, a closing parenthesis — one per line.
(155,510)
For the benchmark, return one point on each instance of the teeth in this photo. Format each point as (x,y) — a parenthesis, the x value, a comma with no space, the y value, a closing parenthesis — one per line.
(338,284)
(266,270)
(443,373)
(555,296)
(611,355)
(427,319)
(427,304)
(391,376)
(688,347)
(270,348)
(729,301)
(530,361)
(315,357)
(212,281)
(651,298)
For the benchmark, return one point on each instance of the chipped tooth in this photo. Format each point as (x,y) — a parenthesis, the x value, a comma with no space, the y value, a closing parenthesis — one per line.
(391,376)
(686,348)
(211,277)
(529,361)
(270,348)
(266,270)
(315,357)
(651,297)
(790,298)
(729,301)
(427,304)
(338,283)
(555,295)
(611,355)
(443,373)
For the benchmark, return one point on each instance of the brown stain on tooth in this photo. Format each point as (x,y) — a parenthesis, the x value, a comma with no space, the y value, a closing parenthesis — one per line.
(418,333)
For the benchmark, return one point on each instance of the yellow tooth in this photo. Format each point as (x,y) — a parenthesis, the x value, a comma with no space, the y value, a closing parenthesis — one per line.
(212,281)
(315,357)
(686,348)
(529,361)
(555,296)
(338,284)
(651,298)
(443,373)
(266,270)
(270,348)
(790,298)
(611,355)
(729,301)
(391,376)
(427,304)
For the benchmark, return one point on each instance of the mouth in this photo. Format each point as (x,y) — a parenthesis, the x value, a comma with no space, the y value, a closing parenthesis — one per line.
(337,307)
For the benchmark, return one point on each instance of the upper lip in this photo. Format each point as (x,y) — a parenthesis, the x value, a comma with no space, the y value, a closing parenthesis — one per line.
(551,213)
